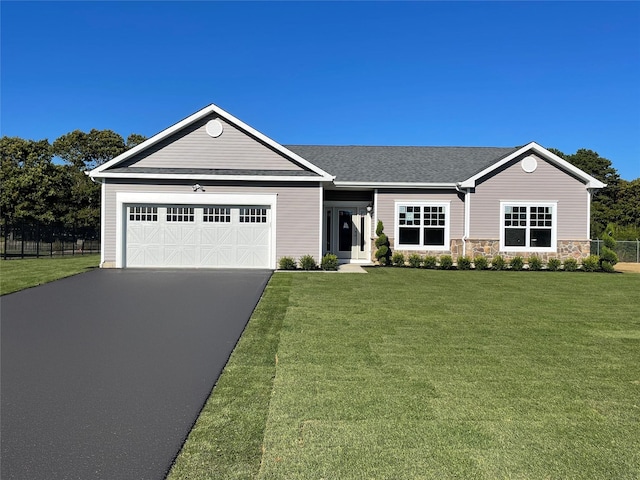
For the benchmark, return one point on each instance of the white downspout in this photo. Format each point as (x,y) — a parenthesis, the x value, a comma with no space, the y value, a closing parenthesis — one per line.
(467,216)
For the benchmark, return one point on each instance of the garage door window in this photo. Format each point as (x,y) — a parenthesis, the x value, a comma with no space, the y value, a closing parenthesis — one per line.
(253,215)
(180,214)
(216,215)
(143,214)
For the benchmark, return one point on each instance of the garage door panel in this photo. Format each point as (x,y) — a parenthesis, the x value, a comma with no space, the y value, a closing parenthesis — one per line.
(195,236)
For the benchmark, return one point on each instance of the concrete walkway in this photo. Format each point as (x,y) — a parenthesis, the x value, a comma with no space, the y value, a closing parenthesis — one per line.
(104,373)
(351,268)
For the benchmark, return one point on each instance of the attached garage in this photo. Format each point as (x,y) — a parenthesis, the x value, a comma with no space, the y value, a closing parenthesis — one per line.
(195,230)
(198,236)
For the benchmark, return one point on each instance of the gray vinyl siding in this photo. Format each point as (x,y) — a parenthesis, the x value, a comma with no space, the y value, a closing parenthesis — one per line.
(546,183)
(385,207)
(192,147)
(298,221)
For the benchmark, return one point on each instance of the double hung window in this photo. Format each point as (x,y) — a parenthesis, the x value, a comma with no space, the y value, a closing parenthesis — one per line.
(528,226)
(421,225)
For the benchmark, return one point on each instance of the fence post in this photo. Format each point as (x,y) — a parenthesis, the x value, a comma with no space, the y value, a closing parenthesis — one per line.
(38,240)
(22,240)
(6,234)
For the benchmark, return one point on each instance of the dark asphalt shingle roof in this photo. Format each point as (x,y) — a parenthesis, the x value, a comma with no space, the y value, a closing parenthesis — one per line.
(401,164)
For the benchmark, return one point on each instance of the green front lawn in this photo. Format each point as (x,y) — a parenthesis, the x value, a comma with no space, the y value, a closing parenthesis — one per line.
(20,274)
(403,374)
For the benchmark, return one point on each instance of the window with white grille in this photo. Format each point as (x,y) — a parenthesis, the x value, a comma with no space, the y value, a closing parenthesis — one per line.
(422,225)
(528,226)
(180,214)
(253,215)
(143,214)
(217,215)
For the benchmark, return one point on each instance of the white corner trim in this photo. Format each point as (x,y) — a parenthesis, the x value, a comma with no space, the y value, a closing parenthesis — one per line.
(125,198)
(103,217)
(590,182)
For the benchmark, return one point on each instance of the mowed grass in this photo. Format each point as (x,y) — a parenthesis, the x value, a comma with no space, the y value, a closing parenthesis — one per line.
(417,374)
(20,274)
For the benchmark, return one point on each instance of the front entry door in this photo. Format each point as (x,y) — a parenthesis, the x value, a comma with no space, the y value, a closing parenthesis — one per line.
(350,233)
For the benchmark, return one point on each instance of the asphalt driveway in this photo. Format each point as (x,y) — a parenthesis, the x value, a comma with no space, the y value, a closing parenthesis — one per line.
(104,373)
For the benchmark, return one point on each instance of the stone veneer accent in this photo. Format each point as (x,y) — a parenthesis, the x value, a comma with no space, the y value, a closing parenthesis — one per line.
(577,249)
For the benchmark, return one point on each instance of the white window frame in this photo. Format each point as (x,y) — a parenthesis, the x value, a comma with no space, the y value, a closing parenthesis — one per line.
(527,248)
(422,203)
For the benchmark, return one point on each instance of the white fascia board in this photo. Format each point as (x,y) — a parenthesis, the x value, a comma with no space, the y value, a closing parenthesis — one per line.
(395,185)
(544,153)
(197,116)
(185,176)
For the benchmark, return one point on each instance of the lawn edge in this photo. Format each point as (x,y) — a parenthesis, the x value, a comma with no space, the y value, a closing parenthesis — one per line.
(227,438)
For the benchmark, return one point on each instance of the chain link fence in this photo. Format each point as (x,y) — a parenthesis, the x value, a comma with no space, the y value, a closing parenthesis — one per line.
(627,250)
(26,240)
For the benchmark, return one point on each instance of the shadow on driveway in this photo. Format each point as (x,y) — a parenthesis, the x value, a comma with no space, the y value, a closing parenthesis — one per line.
(104,373)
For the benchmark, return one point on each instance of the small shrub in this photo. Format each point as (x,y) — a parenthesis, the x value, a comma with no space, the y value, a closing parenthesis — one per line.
(480,262)
(415,260)
(307,262)
(591,263)
(287,263)
(554,264)
(329,262)
(397,259)
(516,263)
(446,262)
(570,265)
(464,263)
(430,261)
(534,263)
(498,263)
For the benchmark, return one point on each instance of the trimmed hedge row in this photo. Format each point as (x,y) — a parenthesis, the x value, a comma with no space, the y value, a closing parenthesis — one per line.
(534,263)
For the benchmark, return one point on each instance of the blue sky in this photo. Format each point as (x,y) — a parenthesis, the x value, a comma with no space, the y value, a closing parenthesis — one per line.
(566,75)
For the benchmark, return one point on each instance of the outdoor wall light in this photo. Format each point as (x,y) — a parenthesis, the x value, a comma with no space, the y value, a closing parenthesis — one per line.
(197,188)
(369,208)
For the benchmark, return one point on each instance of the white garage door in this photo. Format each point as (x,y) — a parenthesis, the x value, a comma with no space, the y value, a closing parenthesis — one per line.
(198,236)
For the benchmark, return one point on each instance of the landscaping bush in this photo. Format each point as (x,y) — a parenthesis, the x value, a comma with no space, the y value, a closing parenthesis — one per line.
(287,263)
(464,263)
(554,264)
(590,264)
(516,263)
(534,263)
(570,265)
(498,263)
(329,262)
(307,262)
(397,259)
(383,252)
(430,261)
(446,262)
(480,262)
(415,260)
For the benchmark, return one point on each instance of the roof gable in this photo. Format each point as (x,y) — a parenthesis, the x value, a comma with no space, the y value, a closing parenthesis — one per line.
(189,145)
(533,147)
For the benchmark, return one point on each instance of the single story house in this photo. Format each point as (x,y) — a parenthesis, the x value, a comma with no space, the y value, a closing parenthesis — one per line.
(211,191)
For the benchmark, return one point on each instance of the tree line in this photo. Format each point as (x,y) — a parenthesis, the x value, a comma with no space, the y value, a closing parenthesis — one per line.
(47,182)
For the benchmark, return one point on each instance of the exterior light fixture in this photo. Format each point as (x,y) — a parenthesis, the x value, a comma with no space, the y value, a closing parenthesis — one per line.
(197,188)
